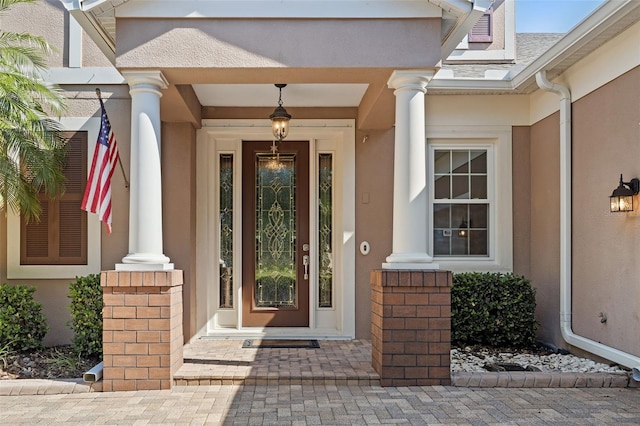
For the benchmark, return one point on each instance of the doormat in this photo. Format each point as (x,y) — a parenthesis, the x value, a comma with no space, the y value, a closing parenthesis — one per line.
(281,343)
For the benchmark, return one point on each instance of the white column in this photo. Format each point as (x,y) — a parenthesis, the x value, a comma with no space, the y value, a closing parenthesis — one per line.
(410,197)
(145,198)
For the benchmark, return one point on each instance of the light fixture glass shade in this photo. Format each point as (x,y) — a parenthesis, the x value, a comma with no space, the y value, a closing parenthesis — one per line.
(621,203)
(621,199)
(280,123)
(280,117)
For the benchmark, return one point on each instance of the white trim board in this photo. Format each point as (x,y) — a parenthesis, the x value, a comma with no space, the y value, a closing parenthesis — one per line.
(278,9)
(226,136)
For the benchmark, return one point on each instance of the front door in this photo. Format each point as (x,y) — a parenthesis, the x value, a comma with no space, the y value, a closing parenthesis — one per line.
(275,236)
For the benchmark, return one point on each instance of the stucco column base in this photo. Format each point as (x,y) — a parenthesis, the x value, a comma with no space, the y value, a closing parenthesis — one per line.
(411,327)
(142,329)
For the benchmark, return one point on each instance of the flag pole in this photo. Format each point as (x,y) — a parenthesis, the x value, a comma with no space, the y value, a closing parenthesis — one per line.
(126,182)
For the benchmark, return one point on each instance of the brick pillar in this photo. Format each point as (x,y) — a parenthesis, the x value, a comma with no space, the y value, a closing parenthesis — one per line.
(142,329)
(411,327)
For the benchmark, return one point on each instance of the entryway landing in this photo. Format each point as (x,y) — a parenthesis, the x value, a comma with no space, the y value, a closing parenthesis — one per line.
(226,362)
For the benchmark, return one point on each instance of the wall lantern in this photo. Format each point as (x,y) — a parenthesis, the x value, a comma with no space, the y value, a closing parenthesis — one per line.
(280,118)
(622,197)
(463,231)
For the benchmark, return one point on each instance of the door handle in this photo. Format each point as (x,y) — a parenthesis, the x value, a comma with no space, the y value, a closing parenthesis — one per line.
(305,263)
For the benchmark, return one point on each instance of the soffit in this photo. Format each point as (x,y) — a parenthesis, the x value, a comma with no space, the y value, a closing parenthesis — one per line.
(266,95)
(102,12)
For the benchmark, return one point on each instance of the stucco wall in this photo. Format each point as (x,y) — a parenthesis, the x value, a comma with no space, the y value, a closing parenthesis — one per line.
(30,18)
(277,43)
(179,211)
(521,153)
(545,226)
(606,245)
(374,211)
(50,19)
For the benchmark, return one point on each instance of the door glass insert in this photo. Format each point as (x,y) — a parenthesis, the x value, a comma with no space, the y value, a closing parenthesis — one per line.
(275,235)
(226,231)
(325,230)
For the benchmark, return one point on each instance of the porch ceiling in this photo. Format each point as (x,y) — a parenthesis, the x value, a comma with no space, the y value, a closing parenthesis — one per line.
(266,95)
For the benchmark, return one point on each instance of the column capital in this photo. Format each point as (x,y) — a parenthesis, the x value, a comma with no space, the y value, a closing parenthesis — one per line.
(148,78)
(410,79)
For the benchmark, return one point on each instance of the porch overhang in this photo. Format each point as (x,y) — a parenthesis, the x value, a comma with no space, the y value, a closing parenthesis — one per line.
(295,42)
(98,17)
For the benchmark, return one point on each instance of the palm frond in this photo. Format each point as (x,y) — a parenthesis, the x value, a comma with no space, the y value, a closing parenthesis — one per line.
(5,4)
(32,149)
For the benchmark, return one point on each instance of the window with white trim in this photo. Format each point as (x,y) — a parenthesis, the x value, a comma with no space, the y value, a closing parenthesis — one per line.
(470,216)
(461,204)
(57,264)
(59,237)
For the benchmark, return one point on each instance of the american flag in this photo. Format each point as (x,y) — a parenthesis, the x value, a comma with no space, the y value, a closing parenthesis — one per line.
(97,195)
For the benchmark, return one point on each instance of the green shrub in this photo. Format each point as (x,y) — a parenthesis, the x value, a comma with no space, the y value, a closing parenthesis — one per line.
(492,309)
(86,315)
(22,323)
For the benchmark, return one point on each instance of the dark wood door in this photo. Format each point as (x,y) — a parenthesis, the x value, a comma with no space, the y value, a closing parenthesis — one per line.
(275,234)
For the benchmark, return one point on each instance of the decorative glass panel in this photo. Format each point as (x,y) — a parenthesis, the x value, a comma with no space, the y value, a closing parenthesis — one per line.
(325,234)
(275,232)
(226,231)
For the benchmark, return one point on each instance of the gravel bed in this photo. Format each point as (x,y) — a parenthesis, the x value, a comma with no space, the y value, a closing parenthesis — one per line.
(474,359)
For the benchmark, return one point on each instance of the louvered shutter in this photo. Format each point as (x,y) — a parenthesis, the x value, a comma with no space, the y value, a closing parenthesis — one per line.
(37,235)
(72,220)
(60,238)
(482,31)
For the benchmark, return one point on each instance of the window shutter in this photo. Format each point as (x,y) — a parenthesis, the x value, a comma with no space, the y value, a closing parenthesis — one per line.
(37,236)
(60,238)
(72,246)
(482,31)
(73,227)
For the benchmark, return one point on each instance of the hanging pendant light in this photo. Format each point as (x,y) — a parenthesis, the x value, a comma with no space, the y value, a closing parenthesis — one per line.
(280,118)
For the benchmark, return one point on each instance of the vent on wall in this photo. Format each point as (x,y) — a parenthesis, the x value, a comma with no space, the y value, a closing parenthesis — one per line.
(482,31)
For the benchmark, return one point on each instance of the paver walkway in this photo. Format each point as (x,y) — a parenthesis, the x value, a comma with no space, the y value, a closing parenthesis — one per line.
(218,362)
(328,405)
(226,362)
